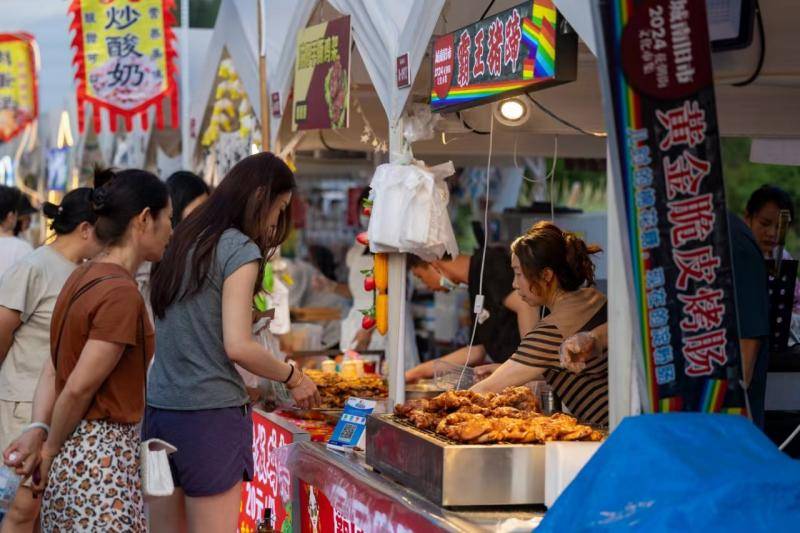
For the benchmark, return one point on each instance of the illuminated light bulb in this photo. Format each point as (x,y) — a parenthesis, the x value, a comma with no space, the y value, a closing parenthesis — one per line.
(512,109)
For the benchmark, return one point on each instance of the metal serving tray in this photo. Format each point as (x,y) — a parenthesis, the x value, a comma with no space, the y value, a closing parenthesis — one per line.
(451,474)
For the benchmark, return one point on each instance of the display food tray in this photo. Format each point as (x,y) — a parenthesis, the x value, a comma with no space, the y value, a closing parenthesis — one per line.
(451,474)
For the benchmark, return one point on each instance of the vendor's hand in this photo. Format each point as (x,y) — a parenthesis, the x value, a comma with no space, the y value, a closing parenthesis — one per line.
(423,371)
(43,471)
(305,393)
(576,350)
(484,371)
(362,339)
(23,454)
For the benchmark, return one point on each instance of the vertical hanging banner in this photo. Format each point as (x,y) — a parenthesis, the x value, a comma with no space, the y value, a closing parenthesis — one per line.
(322,76)
(126,60)
(18,83)
(517,50)
(655,63)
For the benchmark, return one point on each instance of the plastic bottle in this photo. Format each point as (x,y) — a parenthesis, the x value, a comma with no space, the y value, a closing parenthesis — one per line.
(265,525)
(9,483)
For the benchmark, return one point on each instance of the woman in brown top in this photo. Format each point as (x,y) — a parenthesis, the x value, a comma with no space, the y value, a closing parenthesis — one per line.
(93,386)
(553,268)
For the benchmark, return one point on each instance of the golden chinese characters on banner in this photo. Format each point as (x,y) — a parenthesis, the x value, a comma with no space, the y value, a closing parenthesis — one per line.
(18,94)
(125,56)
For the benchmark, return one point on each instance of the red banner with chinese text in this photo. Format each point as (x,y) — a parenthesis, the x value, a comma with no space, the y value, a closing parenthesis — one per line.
(271,485)
(19,105)
(125,60)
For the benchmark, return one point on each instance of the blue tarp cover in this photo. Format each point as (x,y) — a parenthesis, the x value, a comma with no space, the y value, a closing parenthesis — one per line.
(682,472)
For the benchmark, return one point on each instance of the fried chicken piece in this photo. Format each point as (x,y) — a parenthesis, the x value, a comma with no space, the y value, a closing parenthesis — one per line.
(402,409)
(508,412)
(452,400)
(464,427)
(455,419)
(475,410)
(578,433)
(520,397)
(423,419)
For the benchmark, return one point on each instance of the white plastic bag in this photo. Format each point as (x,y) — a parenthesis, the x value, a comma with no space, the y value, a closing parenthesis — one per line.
(410,210)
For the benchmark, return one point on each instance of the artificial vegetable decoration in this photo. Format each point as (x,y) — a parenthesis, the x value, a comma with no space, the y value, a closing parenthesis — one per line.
(368,321)
(382,313)
(369,284)
(362,238)
(381,272)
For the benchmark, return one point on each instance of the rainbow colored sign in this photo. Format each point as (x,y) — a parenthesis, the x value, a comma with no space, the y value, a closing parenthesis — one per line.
(514,51)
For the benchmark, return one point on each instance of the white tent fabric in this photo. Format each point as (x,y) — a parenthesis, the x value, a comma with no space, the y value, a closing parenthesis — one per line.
(236,31)
(284,19)
(580,18)
(775,151)
(385,30)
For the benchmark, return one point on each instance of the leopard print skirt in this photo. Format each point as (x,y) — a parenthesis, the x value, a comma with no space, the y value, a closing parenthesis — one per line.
(94,483)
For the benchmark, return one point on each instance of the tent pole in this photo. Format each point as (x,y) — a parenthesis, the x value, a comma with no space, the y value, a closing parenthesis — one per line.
(396,342)
(186,157)
(262,78)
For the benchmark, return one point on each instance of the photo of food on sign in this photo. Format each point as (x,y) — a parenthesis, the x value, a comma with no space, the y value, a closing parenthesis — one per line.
(335,94)
(124,51)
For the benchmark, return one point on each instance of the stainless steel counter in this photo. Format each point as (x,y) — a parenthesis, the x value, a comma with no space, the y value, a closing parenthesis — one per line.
(349,477)
(453,474)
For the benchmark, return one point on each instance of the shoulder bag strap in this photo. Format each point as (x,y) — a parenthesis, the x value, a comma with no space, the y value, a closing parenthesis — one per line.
(80,292)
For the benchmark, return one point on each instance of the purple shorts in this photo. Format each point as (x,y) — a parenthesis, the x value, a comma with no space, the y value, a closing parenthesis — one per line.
(215,447)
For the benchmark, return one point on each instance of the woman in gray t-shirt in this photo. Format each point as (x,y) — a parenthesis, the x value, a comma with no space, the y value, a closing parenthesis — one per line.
(201,295)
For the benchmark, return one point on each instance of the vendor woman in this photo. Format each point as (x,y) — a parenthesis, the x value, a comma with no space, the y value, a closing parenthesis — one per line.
(553,268)
(505,318)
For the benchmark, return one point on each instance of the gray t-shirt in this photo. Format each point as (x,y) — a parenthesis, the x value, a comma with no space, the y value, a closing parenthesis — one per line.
(191,370)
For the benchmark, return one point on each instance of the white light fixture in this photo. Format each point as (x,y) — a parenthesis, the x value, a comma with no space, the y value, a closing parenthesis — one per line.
(511,111)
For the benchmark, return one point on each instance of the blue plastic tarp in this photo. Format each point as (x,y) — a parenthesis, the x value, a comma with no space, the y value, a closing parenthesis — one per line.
(682,472)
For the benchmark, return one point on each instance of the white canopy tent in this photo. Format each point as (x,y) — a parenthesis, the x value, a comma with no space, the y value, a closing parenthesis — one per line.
(767,108)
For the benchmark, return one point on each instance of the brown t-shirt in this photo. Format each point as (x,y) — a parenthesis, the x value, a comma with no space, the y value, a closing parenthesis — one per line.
(113,311)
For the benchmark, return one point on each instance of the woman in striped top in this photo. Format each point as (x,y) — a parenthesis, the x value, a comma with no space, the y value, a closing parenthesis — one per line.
(553,268)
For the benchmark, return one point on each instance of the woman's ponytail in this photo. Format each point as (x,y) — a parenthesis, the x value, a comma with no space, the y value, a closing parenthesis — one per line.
(579,257)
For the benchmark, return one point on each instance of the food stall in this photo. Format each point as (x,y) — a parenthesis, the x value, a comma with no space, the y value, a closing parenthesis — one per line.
(383,486)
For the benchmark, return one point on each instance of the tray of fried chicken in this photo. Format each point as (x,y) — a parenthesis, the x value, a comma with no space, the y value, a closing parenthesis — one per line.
(510,417)
(335,389)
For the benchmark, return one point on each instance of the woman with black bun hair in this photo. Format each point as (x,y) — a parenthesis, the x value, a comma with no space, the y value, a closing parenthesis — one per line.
(554,269)
(91,390)
(28,293)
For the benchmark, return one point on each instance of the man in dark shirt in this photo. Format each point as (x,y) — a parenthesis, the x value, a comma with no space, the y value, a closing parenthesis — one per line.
(505,317)
(752,306)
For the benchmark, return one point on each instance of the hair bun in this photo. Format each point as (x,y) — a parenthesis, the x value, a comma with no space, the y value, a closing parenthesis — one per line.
(51,210)
(99,200)
(102,176)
